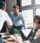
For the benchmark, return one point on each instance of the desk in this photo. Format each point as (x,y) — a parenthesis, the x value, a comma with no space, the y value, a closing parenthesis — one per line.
(9,41)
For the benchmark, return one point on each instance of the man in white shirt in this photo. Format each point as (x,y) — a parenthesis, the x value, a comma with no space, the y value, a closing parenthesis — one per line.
(4,16)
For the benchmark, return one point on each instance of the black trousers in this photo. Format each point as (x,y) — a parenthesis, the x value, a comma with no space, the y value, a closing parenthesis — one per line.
(17,27)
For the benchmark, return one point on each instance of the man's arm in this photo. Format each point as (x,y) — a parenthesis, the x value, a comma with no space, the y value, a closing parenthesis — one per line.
(23,20)
(8,20)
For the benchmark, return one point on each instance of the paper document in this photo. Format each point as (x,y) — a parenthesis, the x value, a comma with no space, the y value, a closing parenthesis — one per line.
(3,33)
(26,41)
(12,37)
(26,32)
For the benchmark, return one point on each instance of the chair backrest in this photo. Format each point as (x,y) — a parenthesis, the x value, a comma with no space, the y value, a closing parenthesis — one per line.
(4,27)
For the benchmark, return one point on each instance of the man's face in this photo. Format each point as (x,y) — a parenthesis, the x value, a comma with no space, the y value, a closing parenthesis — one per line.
(15,10)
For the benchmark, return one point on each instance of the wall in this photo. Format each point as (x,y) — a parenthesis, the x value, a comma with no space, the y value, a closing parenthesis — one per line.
(10,4)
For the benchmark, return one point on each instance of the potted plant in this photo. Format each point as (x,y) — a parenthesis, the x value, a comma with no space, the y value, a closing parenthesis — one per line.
(15,31)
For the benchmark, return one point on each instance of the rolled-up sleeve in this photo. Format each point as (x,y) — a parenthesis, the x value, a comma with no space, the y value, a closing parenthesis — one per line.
(23,20)
(8,20)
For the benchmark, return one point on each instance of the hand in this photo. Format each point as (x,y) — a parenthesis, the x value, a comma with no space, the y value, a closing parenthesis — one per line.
(10,26)
(38,35)
(30,38)
(39,25)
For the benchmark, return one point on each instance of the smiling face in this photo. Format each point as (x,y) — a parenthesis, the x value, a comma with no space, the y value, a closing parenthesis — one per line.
(36,20)
(15,10)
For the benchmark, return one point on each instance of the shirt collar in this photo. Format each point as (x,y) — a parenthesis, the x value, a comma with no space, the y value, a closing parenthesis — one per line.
(17,15)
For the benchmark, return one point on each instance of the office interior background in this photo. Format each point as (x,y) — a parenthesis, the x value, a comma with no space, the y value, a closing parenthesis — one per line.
(29,8)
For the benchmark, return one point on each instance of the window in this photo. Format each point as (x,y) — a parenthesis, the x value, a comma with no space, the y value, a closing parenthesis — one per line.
(26,2)
(37,2)
(38,11)
(30,8)
(28,15)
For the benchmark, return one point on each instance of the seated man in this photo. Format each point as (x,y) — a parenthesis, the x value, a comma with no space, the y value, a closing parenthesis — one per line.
(17,18)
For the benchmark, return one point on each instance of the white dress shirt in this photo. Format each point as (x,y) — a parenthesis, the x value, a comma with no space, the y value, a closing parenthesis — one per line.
(4,17)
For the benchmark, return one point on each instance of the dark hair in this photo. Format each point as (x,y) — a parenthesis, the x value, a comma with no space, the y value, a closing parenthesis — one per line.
(39,22)
(16,6)
(2,4)
(38,17)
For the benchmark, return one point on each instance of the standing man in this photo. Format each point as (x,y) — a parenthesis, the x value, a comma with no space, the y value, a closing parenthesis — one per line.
(17,18)
(4,16)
